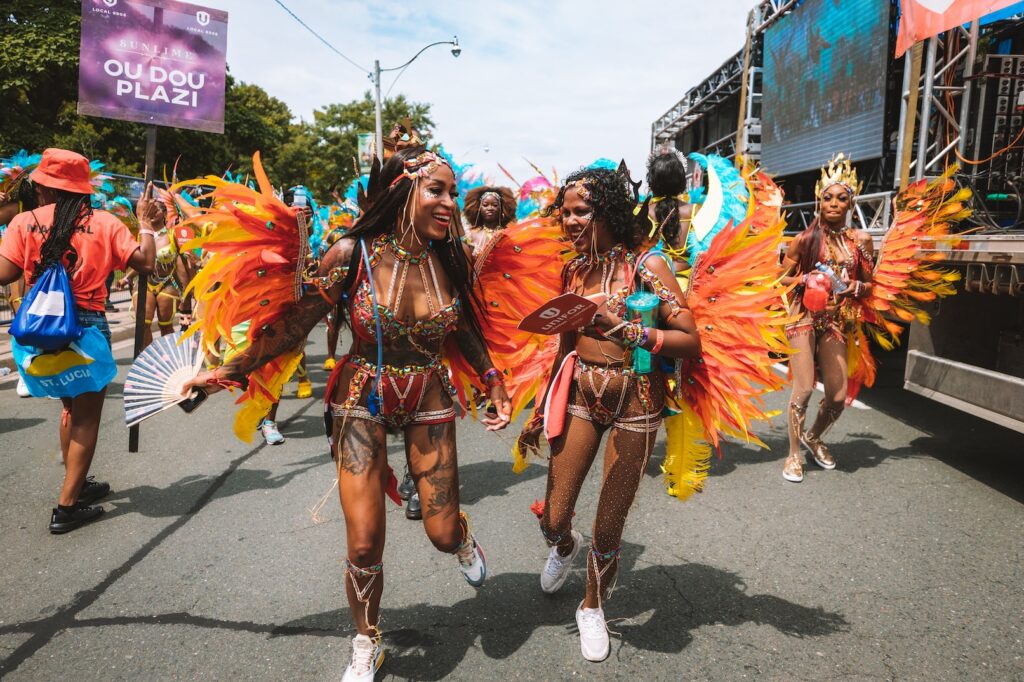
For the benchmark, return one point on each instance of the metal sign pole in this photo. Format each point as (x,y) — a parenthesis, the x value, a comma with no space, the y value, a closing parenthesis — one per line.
(142,286)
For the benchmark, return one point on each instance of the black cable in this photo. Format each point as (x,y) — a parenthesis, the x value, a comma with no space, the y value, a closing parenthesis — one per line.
(321,38)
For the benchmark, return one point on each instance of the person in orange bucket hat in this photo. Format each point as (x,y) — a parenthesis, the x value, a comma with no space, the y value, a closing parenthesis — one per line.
(90,244)
(64,170)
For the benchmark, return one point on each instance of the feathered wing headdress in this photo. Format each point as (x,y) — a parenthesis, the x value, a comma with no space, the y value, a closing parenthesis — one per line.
(727,202)
(123,210)
(16,169)
(519,271)
(905,277)
(256,252)
(734,296)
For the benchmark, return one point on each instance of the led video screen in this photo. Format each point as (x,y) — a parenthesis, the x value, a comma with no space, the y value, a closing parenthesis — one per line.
(824,84)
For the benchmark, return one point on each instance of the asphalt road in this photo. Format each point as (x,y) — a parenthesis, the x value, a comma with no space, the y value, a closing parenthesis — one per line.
(904,563)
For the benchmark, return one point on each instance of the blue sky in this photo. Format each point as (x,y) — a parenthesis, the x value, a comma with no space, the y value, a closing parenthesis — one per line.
(560,83)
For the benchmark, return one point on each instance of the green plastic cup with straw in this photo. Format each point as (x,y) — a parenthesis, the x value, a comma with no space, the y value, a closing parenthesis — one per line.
(642,307)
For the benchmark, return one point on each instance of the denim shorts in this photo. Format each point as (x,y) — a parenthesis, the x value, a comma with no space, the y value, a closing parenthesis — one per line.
(94,318)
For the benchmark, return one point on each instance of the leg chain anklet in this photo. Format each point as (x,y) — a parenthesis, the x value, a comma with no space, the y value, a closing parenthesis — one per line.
(551,538)
(605,556)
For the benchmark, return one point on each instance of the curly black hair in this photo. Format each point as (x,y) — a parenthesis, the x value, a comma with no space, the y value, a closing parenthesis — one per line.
(666,177)
(612,201)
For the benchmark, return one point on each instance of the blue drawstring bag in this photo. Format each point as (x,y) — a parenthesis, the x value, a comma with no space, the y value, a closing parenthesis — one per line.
(47,317)
(84,366)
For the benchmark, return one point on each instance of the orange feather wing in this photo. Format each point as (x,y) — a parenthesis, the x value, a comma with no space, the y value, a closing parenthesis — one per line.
(255,249)
(517,271)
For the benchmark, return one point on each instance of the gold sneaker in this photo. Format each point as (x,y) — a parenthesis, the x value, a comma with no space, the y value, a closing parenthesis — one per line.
(793,469)
(822,457)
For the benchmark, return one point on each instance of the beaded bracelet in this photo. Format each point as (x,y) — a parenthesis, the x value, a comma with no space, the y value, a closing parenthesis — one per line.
(634,335)
(492,378)
(630,333)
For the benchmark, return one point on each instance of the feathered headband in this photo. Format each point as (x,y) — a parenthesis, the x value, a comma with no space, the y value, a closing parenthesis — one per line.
(422,165)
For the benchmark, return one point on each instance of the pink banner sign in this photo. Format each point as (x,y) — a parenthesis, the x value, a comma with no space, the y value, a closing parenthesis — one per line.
(153,61)
(922,19)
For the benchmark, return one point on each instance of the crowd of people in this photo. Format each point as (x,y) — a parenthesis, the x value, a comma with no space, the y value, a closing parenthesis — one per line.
(433,292)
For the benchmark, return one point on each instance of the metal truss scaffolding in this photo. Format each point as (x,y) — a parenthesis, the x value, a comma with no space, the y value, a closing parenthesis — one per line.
(725,82)
(943,102)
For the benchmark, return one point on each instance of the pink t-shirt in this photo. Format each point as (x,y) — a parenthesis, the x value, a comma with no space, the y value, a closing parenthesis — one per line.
(104,244)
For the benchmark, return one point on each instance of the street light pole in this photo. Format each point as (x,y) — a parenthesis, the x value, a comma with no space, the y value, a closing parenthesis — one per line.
(375,76)
(377,112)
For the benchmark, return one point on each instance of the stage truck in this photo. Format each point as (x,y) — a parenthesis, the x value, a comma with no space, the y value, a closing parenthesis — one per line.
(817,77)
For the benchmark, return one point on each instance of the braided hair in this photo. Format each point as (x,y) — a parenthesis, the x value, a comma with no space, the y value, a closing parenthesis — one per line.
(71,211)
(612,201)
(666,177)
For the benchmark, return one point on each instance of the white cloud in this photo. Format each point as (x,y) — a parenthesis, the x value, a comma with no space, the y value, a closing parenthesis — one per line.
(560,83)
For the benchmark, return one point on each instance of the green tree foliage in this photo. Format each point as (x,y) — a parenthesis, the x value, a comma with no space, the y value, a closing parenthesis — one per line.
(38,68)
(335,128)
(39,42)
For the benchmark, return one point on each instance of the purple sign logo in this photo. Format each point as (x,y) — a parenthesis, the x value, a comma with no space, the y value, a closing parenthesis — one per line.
(153,61)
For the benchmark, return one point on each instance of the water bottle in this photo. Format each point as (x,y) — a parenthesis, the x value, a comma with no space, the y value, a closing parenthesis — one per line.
(642,307)
(838,286)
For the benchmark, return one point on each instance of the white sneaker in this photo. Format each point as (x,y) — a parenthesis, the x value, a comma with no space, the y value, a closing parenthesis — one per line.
(593,634)
(367,655)
(472,562)
(270,432)
(556,569)
(22,389)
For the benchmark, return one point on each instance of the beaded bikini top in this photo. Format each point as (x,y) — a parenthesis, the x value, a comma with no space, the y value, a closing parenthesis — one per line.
(624,258)
(423,334)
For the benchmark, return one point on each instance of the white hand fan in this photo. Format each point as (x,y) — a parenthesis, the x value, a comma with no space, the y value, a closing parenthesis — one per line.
(157,377)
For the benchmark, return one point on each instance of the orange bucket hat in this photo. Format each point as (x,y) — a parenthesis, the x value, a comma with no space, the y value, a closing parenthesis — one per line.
(63,169)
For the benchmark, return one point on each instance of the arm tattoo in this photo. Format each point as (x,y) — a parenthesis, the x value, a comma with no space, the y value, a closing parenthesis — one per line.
(473,349)
(289,330)
(283,335)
